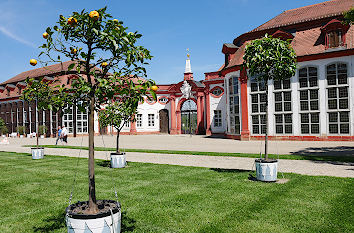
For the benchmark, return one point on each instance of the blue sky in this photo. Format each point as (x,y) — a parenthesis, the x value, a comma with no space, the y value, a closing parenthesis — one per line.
(168,28)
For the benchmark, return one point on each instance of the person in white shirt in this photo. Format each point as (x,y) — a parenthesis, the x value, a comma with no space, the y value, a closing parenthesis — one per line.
(64,134)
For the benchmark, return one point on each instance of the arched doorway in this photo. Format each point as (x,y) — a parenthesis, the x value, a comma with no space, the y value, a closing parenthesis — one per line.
(189,117)
(163,114)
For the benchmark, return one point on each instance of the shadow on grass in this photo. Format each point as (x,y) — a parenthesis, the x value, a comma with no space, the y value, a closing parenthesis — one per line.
(339,155)
(229,170)
(52,223)
(104,163)
(128,223)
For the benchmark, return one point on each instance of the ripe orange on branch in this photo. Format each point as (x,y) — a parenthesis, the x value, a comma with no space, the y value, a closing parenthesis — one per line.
(33,62)
(154,88)
(74,51)
(45,35)
(94,15)
(72,21)
(104,64)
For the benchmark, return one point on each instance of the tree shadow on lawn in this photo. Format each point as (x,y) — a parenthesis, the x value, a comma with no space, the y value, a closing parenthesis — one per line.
(52,223)
(340,155)
(104,163)
(128,223)
(229,170)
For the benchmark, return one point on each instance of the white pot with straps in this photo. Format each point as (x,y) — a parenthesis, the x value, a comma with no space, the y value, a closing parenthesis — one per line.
(107,220)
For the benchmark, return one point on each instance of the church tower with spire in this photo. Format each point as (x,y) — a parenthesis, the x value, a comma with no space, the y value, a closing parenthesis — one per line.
(188,75)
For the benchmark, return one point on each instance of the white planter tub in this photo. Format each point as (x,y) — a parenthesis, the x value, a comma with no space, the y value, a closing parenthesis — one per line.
(42,136)
(37,153)
(118,160)
(266,170)
(109,221)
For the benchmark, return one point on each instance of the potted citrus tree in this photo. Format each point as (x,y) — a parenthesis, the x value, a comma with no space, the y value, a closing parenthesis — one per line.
(267,59)
(91,40)
(3,128)
(42,130)
(21,130)
(119,113)
(41,92)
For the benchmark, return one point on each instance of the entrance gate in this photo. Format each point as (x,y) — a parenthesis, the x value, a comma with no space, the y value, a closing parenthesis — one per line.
(189,117)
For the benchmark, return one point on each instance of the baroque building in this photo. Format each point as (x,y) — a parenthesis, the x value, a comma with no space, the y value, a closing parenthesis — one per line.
(315,104)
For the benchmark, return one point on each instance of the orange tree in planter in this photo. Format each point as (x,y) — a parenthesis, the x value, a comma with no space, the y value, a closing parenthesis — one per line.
(93,40)
(123,109)
(266,59)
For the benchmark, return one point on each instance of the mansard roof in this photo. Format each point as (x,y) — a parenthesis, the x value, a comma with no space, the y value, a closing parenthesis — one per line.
(308,13)
(308,39)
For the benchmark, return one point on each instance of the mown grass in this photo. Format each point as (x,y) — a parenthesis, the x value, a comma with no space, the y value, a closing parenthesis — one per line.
(313,157)
(165,198)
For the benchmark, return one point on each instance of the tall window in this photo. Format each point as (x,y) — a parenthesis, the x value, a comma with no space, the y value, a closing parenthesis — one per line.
(282,108)
(234,105)
(309,101)
(81,121)
(217,118)
(139,120)
(151,120)
(338,98)
(68,119)
(258,105)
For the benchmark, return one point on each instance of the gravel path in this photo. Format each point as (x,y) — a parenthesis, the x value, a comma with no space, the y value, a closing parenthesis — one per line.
(304,167)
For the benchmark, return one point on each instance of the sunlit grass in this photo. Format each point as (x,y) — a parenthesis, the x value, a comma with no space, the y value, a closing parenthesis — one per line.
(165,198)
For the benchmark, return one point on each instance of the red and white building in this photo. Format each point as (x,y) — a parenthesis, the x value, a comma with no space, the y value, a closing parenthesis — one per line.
(315,104)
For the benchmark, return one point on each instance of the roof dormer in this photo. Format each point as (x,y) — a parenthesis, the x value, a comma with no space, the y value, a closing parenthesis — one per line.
(335,33)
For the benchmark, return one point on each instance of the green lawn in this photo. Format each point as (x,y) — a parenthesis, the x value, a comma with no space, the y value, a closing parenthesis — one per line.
(165,198)
(313,157)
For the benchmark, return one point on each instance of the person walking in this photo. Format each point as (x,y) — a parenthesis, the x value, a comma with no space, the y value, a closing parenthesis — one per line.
(64,134)
(59,135)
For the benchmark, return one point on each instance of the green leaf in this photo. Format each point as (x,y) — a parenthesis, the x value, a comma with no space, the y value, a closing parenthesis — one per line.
(71,66)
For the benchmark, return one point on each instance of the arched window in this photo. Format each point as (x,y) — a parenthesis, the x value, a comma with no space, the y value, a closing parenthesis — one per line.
(309,100)
(337,98)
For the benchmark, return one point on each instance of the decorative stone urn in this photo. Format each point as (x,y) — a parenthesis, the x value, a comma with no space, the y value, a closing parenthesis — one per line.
(118,160)
(108,219)
(266,170)
(37,153)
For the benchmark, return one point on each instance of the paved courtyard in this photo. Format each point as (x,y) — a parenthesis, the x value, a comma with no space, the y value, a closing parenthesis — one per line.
(202,143)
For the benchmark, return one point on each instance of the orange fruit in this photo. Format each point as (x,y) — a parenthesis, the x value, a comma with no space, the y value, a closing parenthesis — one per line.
(104,64)
(154,88)
(94,15)
(72,21)
(33,62)
(74,51)
(116,21)
(45,35)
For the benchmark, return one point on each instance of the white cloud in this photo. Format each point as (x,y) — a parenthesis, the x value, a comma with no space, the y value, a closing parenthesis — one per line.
(9,34)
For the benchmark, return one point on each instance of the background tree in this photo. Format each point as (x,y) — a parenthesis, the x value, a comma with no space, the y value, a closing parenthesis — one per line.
(3,128)
(91,40)
(349,16)
(45,95)
(123,109)
(269,59)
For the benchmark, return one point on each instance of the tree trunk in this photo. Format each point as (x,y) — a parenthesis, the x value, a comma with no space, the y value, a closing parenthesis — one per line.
(267,124)
(91,162)
(117,148)
(37,124)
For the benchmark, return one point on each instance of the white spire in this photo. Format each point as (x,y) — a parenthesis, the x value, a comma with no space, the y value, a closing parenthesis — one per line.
(188,64)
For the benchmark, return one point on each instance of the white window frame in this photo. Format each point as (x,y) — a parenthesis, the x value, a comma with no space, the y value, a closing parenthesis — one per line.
(309,112)
(338,110)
